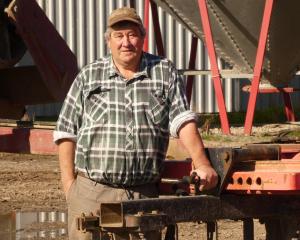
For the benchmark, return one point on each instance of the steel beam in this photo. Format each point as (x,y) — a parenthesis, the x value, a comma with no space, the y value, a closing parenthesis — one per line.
(157,31)
(146,24)
(288,107)
(57,68)
(214,66)
(248,229)
(258,66)
(192,63)
(198,208)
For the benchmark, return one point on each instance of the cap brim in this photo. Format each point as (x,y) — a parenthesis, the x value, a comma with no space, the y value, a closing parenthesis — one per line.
(113,22)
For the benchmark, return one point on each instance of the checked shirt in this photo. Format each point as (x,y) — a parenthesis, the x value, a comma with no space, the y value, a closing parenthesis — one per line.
(121,126)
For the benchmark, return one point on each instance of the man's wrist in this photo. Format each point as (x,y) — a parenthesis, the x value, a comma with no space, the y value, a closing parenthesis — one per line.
(201,164)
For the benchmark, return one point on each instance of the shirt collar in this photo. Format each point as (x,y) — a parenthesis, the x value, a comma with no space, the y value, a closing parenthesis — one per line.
(143,68)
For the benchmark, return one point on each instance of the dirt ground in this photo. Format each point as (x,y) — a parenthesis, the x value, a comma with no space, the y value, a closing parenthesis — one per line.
(32,182)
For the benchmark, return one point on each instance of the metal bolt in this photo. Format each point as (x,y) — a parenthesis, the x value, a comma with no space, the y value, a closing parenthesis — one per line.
(140,213)
(142,236)
(155,212)
(225,156)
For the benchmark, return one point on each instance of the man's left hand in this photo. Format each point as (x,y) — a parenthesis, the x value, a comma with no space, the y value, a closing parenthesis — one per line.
(207,176)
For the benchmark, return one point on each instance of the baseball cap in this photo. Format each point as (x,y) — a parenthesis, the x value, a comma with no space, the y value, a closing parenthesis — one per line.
(124,14)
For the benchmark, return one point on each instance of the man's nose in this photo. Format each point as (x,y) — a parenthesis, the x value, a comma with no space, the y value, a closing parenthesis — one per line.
(126,41)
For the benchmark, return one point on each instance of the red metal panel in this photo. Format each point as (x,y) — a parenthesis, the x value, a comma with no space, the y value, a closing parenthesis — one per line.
(258,66)
(175,169)
(26,140)
(265,182)
(55,61)
(214,66)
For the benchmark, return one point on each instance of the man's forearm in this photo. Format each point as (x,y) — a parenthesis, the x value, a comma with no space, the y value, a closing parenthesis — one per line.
(66,152)
(191,139)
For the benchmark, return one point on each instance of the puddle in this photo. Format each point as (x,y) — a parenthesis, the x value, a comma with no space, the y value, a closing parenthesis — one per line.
(33,225)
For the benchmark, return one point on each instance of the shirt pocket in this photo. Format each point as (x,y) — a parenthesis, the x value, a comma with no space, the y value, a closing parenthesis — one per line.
(158,107)
(96,104)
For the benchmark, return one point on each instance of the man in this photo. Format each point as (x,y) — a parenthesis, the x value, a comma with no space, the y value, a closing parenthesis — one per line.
(115,124)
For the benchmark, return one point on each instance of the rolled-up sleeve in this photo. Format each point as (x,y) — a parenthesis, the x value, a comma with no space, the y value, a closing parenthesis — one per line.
(70,117)
(179,108)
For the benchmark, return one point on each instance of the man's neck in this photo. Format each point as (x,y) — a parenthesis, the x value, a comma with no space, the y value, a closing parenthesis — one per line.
(127,71)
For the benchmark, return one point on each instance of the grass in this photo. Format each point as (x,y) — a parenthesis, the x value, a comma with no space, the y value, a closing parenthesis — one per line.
(217,138)
(271,115)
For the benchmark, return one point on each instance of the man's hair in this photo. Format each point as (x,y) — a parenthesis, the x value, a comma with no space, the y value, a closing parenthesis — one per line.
(123,24)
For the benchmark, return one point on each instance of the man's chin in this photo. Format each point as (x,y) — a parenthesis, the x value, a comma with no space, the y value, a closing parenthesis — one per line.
(128,59)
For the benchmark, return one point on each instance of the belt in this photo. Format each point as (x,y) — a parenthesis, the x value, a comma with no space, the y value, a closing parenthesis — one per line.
(82,174)
(85,175)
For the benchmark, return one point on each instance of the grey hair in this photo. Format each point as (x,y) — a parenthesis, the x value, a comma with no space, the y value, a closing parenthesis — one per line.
(124,23)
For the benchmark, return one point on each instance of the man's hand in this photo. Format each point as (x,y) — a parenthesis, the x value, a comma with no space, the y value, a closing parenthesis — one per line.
(207,176)
(66,185)
(191,139)
(66,153)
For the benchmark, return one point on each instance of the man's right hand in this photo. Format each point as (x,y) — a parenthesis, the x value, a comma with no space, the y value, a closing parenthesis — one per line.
(67,185)
(66,154)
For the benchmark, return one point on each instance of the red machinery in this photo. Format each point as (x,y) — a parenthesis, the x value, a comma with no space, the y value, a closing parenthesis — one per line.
(256,181)
(236,30)
(24,25)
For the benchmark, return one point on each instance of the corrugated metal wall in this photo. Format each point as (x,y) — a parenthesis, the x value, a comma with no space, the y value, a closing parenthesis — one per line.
(82,23)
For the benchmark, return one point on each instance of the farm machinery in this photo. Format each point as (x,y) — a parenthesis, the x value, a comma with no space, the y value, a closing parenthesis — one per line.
(258,39)
(255,181)
(24,26)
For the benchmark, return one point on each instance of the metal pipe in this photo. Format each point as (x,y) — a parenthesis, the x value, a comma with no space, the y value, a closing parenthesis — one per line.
(259,152)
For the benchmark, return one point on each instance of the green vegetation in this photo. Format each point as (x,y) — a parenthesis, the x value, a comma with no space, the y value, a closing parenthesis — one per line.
(271,115)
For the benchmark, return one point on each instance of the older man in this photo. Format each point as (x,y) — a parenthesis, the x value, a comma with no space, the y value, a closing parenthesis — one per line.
(115,123)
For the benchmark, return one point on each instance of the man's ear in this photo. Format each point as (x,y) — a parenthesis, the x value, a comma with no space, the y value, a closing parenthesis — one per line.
(107,40)
(108,43)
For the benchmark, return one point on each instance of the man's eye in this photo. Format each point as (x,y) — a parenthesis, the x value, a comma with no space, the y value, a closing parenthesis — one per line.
(132,35)
(118,36)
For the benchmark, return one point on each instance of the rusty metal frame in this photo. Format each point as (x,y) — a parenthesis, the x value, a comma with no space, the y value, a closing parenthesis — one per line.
(197,208)
(140,216)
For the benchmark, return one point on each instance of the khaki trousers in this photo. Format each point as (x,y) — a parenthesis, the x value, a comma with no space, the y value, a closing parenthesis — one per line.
(86,195)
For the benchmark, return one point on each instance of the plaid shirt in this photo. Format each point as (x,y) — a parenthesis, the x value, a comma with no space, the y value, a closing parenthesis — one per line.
(121,126)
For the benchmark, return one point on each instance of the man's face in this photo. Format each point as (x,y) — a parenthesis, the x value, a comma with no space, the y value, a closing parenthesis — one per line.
(126,45)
